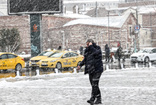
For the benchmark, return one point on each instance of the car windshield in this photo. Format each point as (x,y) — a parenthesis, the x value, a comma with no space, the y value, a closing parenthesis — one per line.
(56,55)
(144,51)
(46,53)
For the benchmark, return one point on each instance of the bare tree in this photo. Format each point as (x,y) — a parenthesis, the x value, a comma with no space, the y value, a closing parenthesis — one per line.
(9,40)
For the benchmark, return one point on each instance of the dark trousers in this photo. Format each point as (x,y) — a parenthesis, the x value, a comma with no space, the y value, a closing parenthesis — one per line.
(107,58)
(94,81)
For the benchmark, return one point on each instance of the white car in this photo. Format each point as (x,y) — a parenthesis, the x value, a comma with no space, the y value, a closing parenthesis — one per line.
(144,55)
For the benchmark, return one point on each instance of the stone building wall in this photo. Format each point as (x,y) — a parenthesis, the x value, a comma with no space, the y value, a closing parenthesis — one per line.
(22,24)
(149,21)
(76,35)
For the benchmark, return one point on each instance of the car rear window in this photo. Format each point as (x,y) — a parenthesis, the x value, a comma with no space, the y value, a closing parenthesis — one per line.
(11,56)
(56,55)
(4,56)
(46,53)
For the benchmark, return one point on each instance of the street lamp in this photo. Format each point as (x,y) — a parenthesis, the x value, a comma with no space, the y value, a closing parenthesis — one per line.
(108,30)
(63,40)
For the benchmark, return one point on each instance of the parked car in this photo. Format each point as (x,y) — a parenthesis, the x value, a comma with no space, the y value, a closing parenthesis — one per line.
(25,56)
(11,61)
(144,55)
(127,53)
(63,59)
(34,61)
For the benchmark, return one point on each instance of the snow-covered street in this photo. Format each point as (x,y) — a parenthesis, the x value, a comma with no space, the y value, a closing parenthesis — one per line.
(118,87)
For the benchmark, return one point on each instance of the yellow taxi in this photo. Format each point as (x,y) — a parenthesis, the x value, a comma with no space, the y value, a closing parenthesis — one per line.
(63,59)
(11,61)
(35,61)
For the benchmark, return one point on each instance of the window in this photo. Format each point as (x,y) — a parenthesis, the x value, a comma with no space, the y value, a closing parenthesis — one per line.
(66,55)
(4,56)
(56,55)
(46,53)
(73,54)
(11,56)
(154,50)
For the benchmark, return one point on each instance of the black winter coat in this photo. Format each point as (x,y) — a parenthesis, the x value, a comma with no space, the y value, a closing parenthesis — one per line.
(119,52)
(107,51)
(92,59)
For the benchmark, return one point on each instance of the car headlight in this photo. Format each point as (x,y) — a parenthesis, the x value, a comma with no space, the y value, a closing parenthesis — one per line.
(141,56)
(53,61)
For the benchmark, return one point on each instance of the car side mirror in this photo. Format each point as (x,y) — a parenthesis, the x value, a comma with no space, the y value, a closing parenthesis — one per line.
(151,52)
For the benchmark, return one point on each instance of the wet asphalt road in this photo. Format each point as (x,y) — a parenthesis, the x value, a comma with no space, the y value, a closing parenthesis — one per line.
(107,66)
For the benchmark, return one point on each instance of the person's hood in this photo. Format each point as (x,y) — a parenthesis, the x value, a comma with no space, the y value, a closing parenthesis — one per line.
(94,45)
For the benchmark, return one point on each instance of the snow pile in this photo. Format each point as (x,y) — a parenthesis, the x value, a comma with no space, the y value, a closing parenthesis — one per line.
(118,87)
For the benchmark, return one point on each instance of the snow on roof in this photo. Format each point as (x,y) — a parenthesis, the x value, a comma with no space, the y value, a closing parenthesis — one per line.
(72,15)
(143,9)
(114,21)
(147,10)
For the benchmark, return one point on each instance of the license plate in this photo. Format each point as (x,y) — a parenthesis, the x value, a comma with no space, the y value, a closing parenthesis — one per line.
(33,63)
(44,64)
(133,59)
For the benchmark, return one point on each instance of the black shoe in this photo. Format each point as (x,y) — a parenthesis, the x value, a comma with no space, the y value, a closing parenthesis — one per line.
(91,102)
(98,101)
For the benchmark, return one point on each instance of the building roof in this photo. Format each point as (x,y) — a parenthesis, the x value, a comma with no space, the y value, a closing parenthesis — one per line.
(114,21)
(146,10)
(73,15)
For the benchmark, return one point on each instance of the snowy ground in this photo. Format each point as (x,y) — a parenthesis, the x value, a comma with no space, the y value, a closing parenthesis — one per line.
(118,87)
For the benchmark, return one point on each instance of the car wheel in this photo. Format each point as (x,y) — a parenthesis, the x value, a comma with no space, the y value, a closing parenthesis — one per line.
(33,68)
(18,67)
(147,59)
(59,66)
(5,71)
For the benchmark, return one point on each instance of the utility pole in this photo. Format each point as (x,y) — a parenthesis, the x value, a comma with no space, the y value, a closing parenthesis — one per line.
(96,9)
(63,40)
(136,35)
(108,30)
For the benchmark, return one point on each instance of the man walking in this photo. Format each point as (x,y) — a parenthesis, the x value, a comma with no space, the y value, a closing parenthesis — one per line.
(119,52)
(94,67)
(107,52)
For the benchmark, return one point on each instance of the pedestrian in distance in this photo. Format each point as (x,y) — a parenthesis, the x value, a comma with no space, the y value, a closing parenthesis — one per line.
(81,50)
(119,52)
(59,48)
(107,53)
(94,67)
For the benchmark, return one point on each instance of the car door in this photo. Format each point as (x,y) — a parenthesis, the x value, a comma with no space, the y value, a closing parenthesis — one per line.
(4,61)
(74,58)
(153,54)
(11,61)
(1,63)
(65,60)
